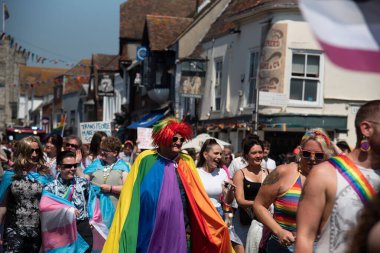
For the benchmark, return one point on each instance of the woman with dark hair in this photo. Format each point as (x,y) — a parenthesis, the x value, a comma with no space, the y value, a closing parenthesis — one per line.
(20,196)
(218,186)
(248,181)
(94,151)
(108,171)
(53,148)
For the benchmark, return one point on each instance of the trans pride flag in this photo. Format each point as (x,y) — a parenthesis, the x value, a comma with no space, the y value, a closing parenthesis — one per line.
(58,226)
(101,211)
(348,31)
(149,215)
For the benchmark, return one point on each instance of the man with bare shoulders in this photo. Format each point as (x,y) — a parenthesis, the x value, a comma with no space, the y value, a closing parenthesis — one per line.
(330,201)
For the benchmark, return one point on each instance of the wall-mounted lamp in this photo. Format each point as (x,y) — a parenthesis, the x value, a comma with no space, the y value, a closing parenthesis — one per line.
(235,30)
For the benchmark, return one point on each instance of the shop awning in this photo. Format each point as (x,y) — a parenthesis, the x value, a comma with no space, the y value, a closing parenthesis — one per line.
(336,123)
(148,120)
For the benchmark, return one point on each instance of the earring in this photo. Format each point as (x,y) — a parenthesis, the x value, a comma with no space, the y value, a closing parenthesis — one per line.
(364,145)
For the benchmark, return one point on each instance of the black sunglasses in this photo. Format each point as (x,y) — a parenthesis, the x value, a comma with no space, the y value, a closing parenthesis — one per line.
(175,139)
(37,150)
(71,145)
(317,155)
(69,166)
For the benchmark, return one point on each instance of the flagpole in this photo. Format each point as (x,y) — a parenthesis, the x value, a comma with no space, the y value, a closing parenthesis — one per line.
(3,16)
(63,125)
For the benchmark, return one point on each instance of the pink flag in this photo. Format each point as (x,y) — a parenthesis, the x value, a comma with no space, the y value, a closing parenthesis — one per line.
(348,31)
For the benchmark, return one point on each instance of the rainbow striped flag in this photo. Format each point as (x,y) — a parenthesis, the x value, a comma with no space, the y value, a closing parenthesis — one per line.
(149,216)
(348,169)
(58,226)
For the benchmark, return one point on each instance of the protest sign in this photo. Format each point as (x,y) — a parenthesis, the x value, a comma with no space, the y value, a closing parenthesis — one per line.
(87,129)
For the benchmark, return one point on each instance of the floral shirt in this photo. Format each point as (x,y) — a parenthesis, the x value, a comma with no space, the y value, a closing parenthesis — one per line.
(23,204)
(79,197)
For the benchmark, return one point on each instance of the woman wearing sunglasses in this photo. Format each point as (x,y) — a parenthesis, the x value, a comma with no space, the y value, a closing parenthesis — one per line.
(20,193)
(108,171)
(283,188)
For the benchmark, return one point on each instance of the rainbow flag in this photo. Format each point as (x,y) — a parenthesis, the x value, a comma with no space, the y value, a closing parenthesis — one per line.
(149,216)
(58,226)
(348,169)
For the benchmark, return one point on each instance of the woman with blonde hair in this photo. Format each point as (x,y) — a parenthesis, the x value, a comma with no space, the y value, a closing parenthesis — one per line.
(283,188)
(20,193)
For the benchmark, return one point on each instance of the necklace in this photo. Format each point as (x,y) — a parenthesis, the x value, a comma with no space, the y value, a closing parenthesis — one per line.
(106,171)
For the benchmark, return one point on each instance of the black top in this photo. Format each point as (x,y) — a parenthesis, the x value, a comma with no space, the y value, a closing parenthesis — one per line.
(250,188)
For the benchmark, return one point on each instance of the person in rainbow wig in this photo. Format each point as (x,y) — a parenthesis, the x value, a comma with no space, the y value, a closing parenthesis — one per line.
(283,187)
(336,190)
(163,206)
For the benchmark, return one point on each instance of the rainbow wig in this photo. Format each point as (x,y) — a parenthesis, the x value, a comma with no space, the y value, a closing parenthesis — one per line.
(164,131)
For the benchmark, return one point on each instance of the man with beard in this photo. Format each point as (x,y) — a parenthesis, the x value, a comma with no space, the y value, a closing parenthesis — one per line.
(336,190)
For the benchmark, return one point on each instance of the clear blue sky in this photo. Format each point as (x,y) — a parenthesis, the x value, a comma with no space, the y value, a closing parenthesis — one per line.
(68,30)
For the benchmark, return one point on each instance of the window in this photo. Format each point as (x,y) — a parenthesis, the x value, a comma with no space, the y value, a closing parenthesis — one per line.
(305,82)
(218,84)
(253,68)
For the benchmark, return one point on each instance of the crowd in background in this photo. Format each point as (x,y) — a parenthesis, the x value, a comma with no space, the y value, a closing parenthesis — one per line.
(254,204)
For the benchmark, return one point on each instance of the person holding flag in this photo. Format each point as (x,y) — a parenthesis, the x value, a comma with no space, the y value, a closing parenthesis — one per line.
(20,194)
(73,192)
(337,189)
(163,206)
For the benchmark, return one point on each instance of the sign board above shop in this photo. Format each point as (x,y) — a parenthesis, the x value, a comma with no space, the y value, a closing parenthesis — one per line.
(106,85)
(87,129)
(193,78)
(273,99)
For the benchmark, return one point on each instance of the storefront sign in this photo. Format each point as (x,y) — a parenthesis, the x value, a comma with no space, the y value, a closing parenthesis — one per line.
(106,85)
(192,79)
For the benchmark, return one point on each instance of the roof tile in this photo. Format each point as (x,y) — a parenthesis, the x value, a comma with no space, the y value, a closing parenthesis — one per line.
(162,30)
(41,78)
(133,12)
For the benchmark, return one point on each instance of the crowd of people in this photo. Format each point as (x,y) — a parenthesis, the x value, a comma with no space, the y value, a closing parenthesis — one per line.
(113,197)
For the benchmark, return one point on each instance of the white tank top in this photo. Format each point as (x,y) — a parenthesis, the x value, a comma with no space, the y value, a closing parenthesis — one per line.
(343,217)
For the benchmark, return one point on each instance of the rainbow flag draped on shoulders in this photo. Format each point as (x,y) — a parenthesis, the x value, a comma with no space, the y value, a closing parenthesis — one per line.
(58,226)
(149,216)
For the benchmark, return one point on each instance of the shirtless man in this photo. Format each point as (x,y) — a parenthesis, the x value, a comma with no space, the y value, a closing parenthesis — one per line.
(329,204)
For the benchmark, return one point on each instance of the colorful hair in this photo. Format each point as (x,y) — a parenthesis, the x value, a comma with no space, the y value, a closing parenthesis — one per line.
(164,131)
(320,136)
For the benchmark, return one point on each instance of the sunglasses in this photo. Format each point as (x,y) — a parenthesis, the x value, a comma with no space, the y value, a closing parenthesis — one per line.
(175,139)
(317,155)
(37,150)
(71,145)
(69,166)
(105,150)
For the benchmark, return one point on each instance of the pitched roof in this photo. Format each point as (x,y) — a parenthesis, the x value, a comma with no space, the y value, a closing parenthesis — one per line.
(162,30)
(105,62)
(41,78)
(133,13)
(224,25)
(77,76)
